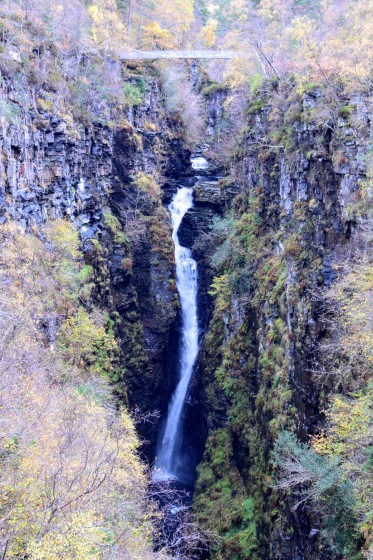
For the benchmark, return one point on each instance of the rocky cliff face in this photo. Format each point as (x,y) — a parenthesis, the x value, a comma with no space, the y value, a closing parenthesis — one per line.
(288,203)
(107,180)
(297,172)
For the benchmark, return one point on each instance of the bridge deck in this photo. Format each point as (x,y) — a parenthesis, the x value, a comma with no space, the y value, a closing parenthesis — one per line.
(188,54)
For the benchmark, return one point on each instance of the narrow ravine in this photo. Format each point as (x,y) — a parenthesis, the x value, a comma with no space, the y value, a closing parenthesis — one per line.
(170,463)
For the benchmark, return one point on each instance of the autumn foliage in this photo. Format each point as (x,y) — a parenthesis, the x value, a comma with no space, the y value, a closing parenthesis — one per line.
(341,449)
(71,483)
(324,40)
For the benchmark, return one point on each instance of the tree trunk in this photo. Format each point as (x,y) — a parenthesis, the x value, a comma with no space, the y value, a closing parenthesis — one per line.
(129,18)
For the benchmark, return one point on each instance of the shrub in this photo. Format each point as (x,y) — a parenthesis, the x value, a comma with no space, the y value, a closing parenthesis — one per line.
(320,480)
(116,228)
(346,111)
(214,88)
(10,111)
(83,340)
(133,95)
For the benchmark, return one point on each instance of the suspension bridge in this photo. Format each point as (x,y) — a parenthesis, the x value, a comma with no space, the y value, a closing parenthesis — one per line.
(180,54)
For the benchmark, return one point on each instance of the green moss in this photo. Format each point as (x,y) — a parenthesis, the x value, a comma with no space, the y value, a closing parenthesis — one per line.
(292,246)
(214,88)
(222,504)
(137,139)
(311,86)
(270,270)
(346,111)
(11,111)
(116,228)
(86,274)
(133,93)
(294,113)
(255,106)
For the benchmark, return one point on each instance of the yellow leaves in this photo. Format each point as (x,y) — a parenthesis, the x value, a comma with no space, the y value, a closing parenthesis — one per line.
(347,437)
(75,451)
(10,445)
(355,294)
(348,431)
(79,539)
(239,9)
(208,34)
(149,186)
(64,237)
(93,12)
(71,483)
(219,284)
(107,26)
(178,14)
(156,37)
(239,74)
(83,337)
(286,37)
(350,427)
(220,288)
(302,30)
(274,10)
(171,20)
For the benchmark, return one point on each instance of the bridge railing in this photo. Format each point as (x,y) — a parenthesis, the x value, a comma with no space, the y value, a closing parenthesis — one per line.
(179,54)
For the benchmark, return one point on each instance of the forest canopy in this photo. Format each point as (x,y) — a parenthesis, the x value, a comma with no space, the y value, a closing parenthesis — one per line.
(325,39)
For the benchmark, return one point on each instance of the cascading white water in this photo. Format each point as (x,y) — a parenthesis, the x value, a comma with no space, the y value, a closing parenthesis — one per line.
(186,281)
(200,163)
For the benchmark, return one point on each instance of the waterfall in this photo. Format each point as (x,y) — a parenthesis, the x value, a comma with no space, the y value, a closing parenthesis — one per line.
(169,454)
(200,163)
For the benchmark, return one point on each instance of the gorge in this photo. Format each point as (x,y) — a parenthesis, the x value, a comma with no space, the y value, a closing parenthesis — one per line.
(185,287)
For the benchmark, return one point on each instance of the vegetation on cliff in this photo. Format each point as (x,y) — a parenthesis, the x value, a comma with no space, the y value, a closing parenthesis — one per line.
(72,484)
(287,361)
(286,336)
(336,468)
(69,57)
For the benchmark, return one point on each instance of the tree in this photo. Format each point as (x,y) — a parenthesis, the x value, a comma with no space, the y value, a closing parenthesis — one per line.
(170,23)
(182,99)
(321,481)
(71,482)
(156,37)
(208,34)
(129,18)
(346,367)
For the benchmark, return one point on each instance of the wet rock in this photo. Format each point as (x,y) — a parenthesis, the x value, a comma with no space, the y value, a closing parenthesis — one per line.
(52,167)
